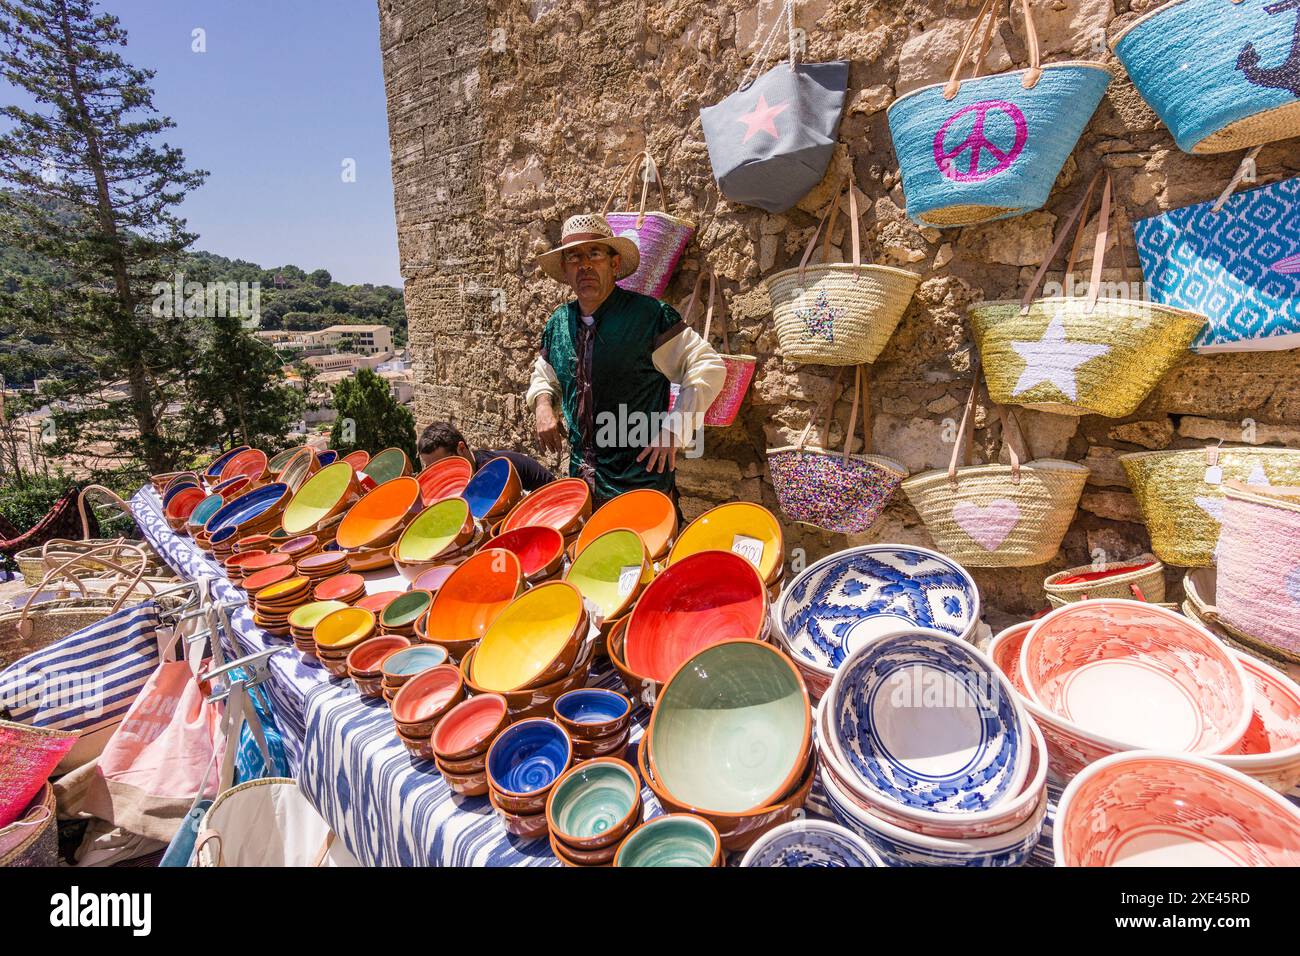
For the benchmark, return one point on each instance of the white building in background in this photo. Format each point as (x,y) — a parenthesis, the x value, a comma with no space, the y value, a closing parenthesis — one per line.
(364,339)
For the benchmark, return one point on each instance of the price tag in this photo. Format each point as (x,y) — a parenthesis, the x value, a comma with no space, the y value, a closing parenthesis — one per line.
(1214,475)
(748,548)
(627,579)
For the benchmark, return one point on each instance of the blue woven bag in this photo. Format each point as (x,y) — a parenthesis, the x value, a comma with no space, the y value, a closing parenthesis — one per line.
(1238,264)
(991,147)
(1222,74)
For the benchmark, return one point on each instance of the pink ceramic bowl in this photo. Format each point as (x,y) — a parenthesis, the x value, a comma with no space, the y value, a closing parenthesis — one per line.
(1269,751)
(423,699)
(704,599)
(1147,808)
(468,729)
(1133,675)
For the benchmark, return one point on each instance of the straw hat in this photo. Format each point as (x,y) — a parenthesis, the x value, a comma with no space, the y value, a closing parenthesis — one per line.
(583,230)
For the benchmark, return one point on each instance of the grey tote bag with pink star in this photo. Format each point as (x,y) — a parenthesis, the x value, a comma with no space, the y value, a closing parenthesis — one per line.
(771,141)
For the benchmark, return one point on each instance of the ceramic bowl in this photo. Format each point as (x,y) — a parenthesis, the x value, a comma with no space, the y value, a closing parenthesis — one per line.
(493,490)
(358,459)
(537,701)
(898,846)
(648,512)
(309,615)
(570,856)
(924,722)
(672,839)
(743,528)
(367,658)
(845,600)
(614,745)
(340,587)
(327,457)
(467,730)
(280,460)
(232,488)
(466,767)
(533,641)
(433,579)
(388,464)
(299,546)
(1004,652)
(525,760)
(563,505)
(343,629)
(322,496)
(378,601)
(525,826)
(701,600)
(641,689)
(811,843)
(444,479)
(322,564)
(250,464)
(242,513)
(401,613)
(379,514)
(540,550)
(612,572)
(213,471)
(261,560)
(256,580)
(467,785)
(204,510)
(731,731)
(398,668)
(594,804)
(437,531)
(183,503)
(423,699)
(1131,675)
(591,713)
(1146,808)
(299,468)
(1269,751)
(471,599)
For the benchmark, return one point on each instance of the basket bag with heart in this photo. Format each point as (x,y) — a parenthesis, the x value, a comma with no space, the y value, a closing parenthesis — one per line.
(997,516)
(989,147)
(660,237)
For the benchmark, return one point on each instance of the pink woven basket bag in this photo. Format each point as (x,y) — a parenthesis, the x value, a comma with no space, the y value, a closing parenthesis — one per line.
(836,491)
(660,236)
(740,368)
(1258,589)
(28,755)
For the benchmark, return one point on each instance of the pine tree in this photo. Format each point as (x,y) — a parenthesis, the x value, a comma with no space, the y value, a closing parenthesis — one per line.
(94,192)
(370,418)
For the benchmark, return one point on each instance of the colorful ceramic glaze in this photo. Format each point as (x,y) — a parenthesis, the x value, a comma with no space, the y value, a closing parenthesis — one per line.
(532,641)
(743,528)
(811,843)
(612,571)
(673,840)
(648,512)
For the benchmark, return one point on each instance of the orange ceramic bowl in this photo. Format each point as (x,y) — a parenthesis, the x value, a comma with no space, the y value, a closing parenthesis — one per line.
(358,459)
(379,514)
(648,512)
(444,479)
(533,641)
(563,505)
(472,597)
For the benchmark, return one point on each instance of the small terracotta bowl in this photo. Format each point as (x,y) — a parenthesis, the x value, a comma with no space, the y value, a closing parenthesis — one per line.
(594,805)
(422,701)
(612,746)
(468,729)
(467,785)
(525,826)
(571,856)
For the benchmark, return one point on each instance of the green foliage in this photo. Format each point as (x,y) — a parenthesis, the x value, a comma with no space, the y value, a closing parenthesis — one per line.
(25,502)
(378,421)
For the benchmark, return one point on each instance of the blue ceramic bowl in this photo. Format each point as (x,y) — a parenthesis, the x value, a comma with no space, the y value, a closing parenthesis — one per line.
(174,490)
(225,534)
(528,757)
(214,469)
(925,722)
(326,458)
(811,843)
(595,707)
(847,599)
(486,486)
(412,660)
(205,510)
(246,507)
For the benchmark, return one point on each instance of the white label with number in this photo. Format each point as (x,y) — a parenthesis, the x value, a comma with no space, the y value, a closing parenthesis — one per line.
(749,548)
(1214,475)
(627,579)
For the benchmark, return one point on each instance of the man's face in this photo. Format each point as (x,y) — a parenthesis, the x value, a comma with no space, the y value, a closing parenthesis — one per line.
(438,454)
(590,270)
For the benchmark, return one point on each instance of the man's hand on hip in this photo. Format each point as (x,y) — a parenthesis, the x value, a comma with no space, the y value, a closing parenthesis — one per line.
(549,433)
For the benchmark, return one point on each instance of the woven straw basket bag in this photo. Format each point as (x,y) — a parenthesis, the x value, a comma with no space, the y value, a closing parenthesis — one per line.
(838,313)
(1181,493)
(989,147)
(740,368)
(32,839)
(1222,74)
(1200,587)
(1142,578)
(997,516)
(1259,563)
(1081,356)
(660,237)
(834,490)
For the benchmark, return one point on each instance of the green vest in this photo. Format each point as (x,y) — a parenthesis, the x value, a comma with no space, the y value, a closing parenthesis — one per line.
(627,390)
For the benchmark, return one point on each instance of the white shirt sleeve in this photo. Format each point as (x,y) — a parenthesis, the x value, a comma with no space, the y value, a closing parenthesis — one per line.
(543,380)
(696,366)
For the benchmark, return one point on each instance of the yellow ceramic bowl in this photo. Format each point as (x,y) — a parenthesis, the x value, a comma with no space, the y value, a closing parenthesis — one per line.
(344,628)
(322,496)
(529,641)
(747,529)
(309,615)
(611,571)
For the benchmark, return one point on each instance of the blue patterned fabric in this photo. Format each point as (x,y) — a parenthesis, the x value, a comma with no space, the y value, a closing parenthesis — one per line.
(995,143)
(1204,64)
(249,763)
(1240,267)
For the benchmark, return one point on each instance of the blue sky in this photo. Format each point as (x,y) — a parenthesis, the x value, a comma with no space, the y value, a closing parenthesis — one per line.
(285,93)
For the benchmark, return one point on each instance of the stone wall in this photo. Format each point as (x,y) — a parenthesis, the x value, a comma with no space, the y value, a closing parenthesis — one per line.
(507,117)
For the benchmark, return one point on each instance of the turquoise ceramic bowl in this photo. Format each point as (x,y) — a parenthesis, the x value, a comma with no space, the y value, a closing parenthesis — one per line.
(676,839)
(595,803)
(732,729)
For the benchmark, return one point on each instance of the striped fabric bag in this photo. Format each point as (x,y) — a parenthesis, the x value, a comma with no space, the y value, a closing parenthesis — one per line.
(86,682)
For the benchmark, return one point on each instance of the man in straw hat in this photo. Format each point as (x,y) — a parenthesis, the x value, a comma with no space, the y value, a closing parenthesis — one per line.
(608,356)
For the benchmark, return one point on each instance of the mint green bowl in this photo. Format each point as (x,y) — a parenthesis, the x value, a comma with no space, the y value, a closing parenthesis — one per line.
(677,839)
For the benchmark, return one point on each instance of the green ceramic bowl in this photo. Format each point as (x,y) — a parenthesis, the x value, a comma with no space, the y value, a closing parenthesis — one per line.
(611,571)
(405,610)
(675,839)
(434,530)
(388,464)
(320,497)
(731,730)
(595,803)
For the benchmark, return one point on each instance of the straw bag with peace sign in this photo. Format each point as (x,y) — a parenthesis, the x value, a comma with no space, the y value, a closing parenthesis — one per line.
(660,236)
(837,491)
(740,368)
(1081,355)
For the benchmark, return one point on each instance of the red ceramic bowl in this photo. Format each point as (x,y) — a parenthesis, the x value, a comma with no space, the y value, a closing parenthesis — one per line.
(249,464)
(540,549)
(366,659)
(358,459)
(183,505)
(468,728)
(377,602)
(707,598)
(424,698)
(257,580)
(378,514)
(264,560)
(339,587)
(444,479)
(562,505)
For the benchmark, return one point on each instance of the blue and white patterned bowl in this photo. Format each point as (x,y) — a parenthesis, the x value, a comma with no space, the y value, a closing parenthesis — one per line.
(811,843)
(926,722)
(900,847)
(848,599)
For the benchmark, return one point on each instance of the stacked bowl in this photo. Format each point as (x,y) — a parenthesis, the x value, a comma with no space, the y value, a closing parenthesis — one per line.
(337,633)
(742,528)
(421,703)
(273,604)
(611,572)
(540,551)
(492,491)
(461,740)
(927,754)
(372,525)
(303,621)
(322,497)
(591,809)
(398,616)
(598,720)
(441,534)
(672,840)
(564,505)
(470,599)
(651,514)
(811,843)
(398,668)
(523,764)
(348,588)
(366,662)
(730,740)
(321,565)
